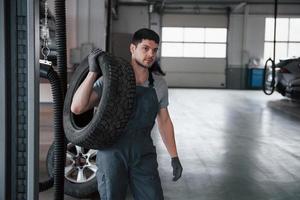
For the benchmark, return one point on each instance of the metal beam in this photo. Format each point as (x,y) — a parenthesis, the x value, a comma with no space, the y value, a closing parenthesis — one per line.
(33,99)
(229,2)
(206,2)
(3,130)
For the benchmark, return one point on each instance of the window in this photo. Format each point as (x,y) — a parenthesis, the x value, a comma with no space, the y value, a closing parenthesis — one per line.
(287,38)
(194,42)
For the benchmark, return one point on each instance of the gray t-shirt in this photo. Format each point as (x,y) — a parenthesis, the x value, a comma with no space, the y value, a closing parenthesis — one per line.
(160,86)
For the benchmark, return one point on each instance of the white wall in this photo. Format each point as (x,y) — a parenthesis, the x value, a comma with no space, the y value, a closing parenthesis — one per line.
(130,19)
(235,40)
(45,93)
(252,35)
(192,20)
(91,22)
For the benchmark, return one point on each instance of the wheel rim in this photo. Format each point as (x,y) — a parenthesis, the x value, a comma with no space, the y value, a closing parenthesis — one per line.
(80,164)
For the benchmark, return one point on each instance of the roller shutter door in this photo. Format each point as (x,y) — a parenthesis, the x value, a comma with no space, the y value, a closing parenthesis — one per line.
(205,72)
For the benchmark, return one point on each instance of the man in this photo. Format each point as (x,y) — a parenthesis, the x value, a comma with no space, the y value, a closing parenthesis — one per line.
(132,160)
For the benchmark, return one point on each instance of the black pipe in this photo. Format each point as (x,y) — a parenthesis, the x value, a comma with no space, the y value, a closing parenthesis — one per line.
(59,137)
(60,142)
(108,26)
(275,29)
(60,37)
(228,12)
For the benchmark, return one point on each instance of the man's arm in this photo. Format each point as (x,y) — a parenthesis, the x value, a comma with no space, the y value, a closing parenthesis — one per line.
(166,130)
(85,98)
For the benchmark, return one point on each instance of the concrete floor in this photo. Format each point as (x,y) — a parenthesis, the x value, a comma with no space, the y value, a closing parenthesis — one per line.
(233,145)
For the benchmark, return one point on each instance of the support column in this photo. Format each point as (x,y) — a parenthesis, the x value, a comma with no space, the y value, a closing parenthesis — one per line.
(3,128)
(33,74)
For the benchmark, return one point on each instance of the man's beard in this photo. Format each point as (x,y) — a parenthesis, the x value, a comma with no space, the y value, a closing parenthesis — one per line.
(142,65)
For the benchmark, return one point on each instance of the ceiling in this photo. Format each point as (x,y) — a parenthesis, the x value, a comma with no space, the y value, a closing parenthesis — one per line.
(201,6)
(197,2)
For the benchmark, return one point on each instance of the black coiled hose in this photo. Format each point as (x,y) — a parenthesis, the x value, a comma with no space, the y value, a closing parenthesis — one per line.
(59,137)
(60,142)
(60,37)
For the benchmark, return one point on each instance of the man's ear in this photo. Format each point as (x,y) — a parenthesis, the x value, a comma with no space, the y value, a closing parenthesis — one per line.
(132,48)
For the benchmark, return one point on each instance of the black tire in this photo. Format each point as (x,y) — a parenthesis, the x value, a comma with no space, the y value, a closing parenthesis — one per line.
(74,187)
(115,107)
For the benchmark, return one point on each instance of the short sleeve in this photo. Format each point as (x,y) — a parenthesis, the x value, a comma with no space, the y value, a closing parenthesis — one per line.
(163,93)
(98,86)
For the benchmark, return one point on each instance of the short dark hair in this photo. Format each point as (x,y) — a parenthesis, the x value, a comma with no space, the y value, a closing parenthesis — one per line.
(156,68)
(144,34)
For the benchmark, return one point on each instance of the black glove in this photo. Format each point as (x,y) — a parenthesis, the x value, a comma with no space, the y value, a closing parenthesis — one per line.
(177,168)
(93,61)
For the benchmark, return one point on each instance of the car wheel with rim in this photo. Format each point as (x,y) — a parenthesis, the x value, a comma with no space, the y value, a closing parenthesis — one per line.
(80,170)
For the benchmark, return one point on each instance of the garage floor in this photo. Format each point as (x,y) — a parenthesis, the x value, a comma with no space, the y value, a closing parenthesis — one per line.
(233,145)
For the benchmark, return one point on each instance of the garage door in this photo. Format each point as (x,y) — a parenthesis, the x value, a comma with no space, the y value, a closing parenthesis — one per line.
(193,50)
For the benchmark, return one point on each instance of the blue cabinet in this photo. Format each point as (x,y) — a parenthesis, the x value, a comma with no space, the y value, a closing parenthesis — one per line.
(255,78)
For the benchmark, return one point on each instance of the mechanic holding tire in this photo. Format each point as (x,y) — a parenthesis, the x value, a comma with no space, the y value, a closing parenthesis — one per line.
(132,160)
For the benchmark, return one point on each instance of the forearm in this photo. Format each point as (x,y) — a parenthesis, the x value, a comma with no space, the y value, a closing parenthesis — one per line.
(81,98)
(166,130)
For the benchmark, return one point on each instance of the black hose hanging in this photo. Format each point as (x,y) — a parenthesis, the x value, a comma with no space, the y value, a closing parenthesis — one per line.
(47,72)
(269,89)
(275,28)
(60,37)
(108,26)
(60,142)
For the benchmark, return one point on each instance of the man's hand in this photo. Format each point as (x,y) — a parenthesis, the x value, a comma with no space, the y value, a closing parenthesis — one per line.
(177,168)
(93,61)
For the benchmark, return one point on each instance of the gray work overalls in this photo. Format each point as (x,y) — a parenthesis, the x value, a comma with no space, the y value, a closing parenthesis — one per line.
(132,160)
